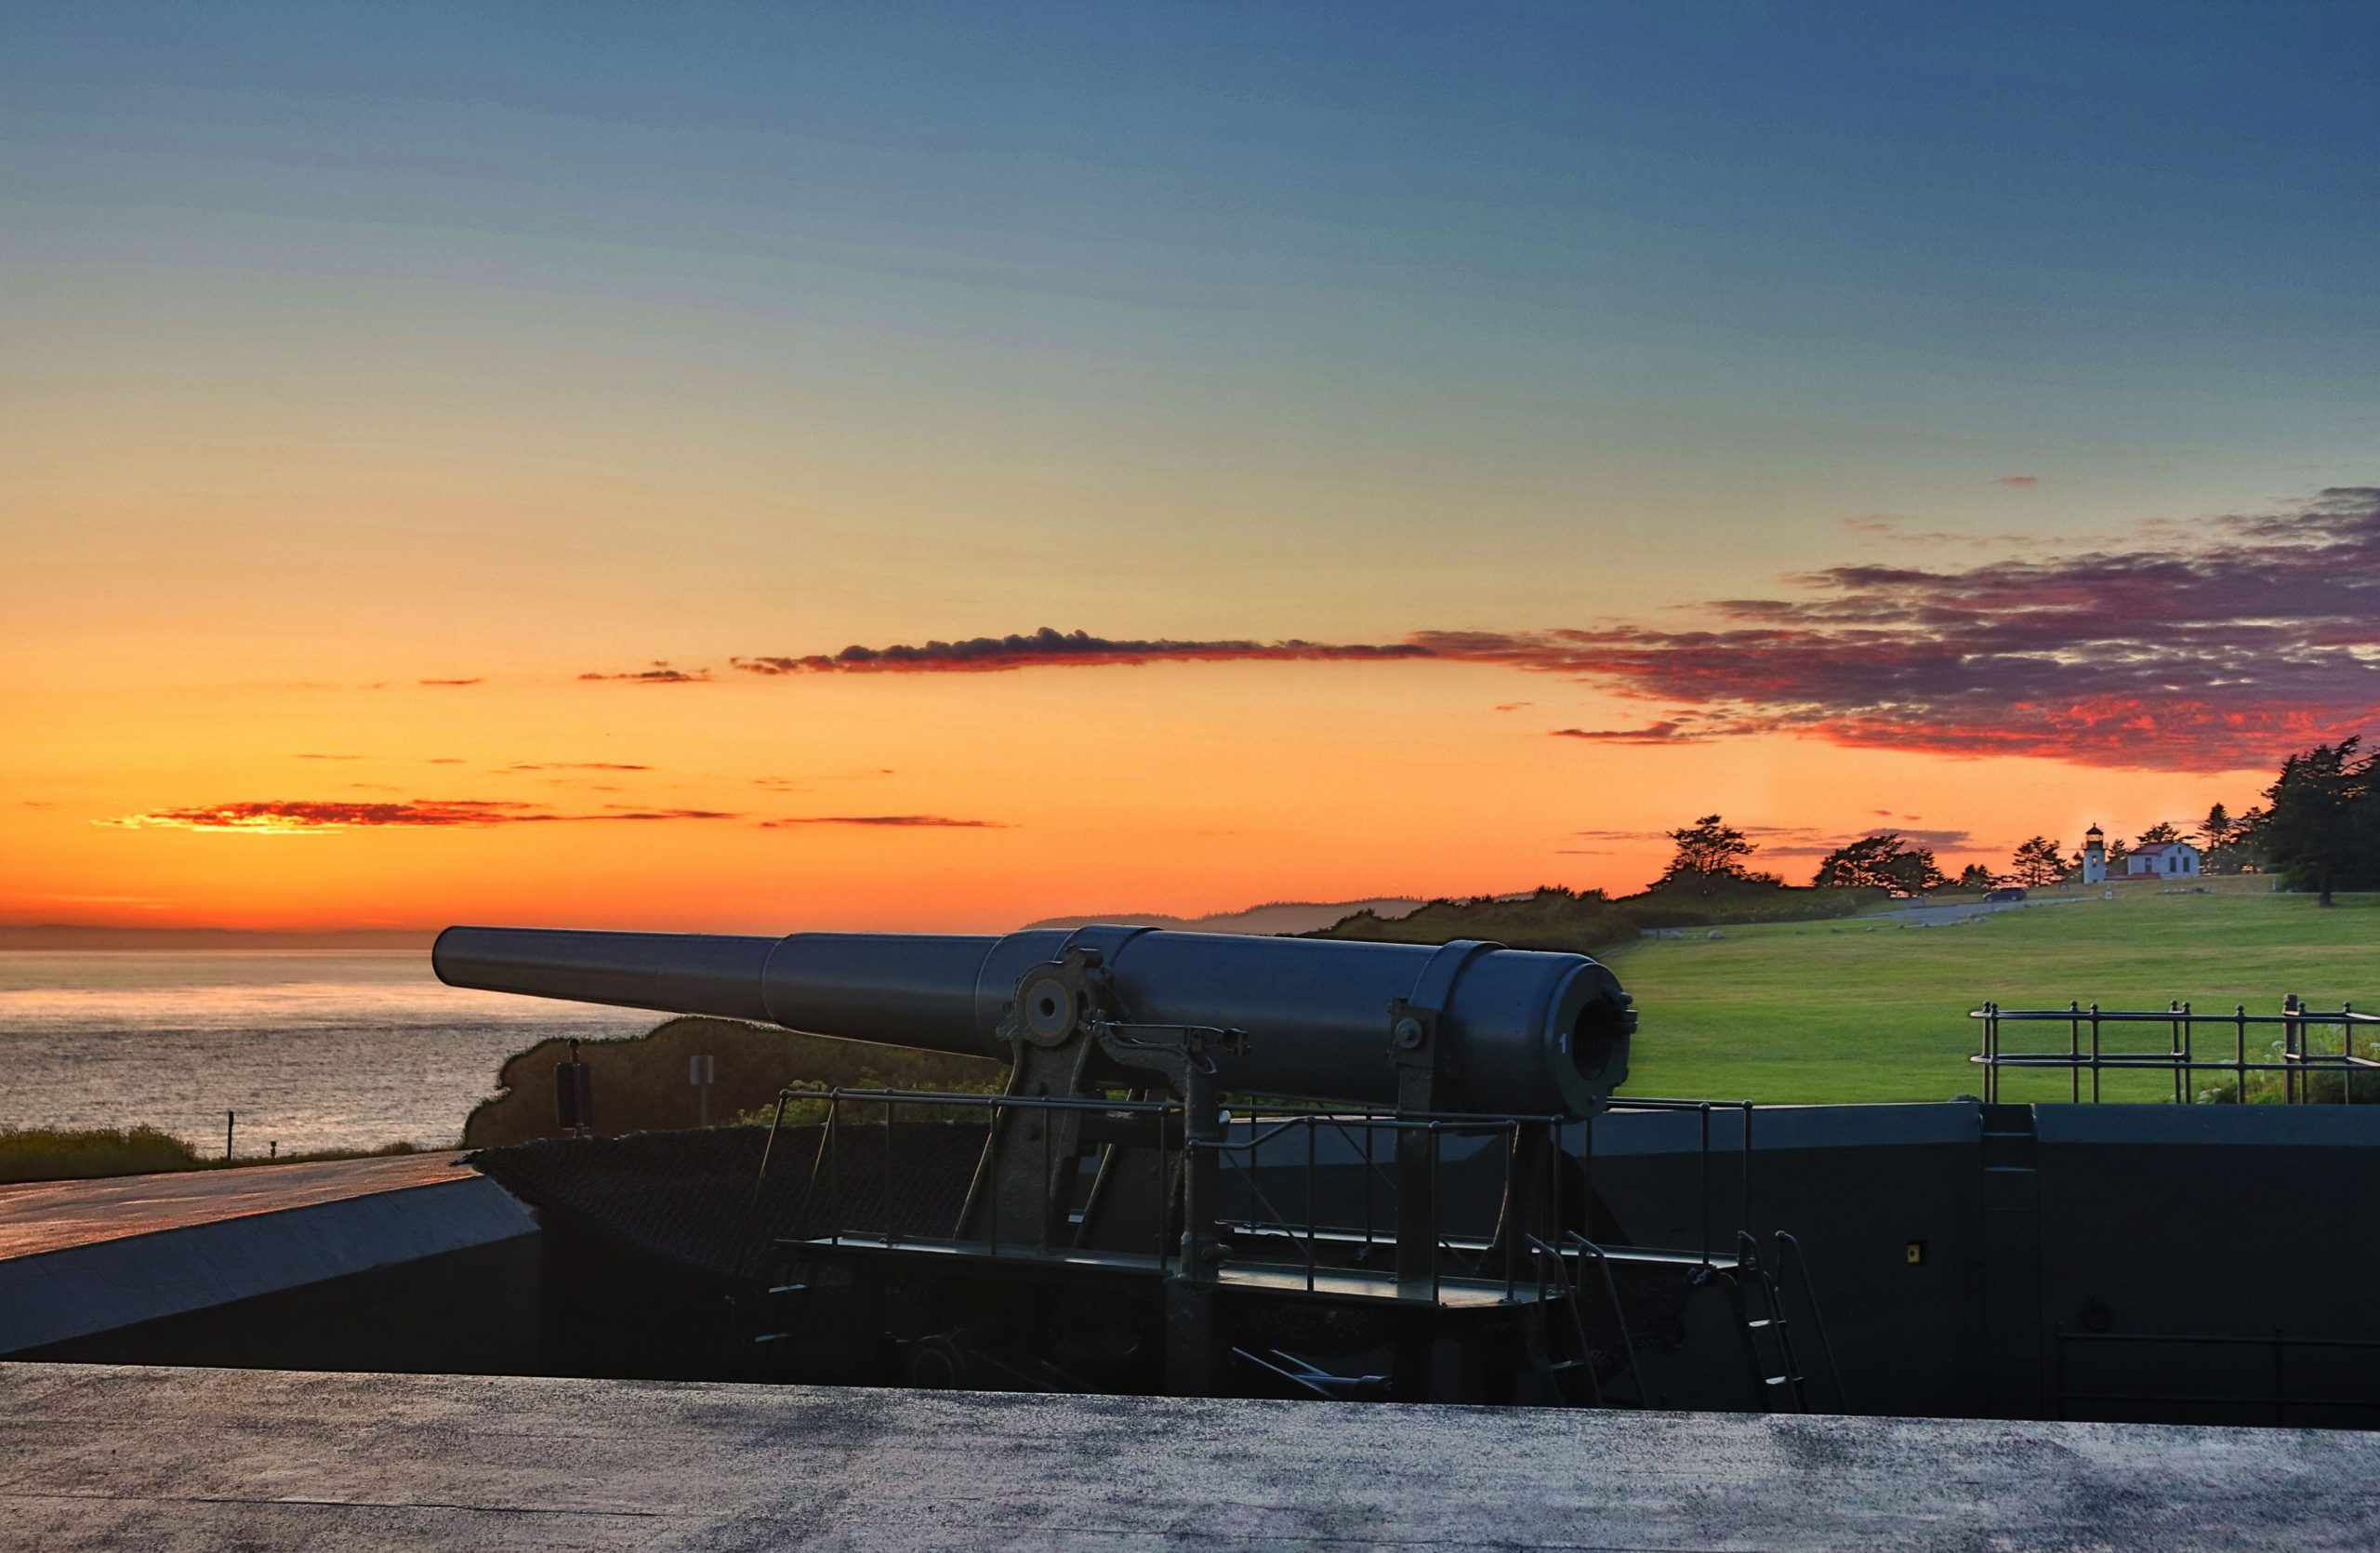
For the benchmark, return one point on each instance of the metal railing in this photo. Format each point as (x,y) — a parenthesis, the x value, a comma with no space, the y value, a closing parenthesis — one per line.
(1702,1110)
(1353,1124)
(1323,1241)
(1311,1235)
(827,1165)
(2305,1070)
(2279,1343)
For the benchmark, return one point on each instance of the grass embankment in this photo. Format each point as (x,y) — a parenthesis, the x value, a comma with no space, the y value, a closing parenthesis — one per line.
(1876,1010)
(639,1082)
(1591,923)
(50,1154)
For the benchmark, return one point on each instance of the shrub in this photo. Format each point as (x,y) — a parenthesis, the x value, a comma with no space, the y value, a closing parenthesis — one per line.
(49,1154)
(639,1082)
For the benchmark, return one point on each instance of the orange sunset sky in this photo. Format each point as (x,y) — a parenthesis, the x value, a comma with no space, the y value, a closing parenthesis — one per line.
(441,469)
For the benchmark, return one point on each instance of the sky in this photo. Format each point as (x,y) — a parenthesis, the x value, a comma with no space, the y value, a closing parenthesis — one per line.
(767,466)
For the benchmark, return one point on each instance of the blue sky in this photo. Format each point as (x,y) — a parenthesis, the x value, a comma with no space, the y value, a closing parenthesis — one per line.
(506,343)
(2119,235)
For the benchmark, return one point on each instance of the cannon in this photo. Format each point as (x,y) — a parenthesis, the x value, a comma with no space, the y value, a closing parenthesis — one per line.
(1107,1161)
(1466,1026)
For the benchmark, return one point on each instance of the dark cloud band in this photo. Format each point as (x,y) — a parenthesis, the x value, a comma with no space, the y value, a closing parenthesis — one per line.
(292,817)
(1047,647)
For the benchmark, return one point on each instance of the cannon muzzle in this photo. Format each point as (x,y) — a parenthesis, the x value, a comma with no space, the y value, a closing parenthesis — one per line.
(1513,1031)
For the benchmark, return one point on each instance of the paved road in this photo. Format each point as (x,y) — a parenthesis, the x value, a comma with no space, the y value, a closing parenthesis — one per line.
(269,1461)
(1942,916)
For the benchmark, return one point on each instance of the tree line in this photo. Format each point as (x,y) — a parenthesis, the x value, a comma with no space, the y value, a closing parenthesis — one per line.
(2318,828)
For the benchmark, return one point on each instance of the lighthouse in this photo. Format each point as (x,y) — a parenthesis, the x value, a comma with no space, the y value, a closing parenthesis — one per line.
(2094,856)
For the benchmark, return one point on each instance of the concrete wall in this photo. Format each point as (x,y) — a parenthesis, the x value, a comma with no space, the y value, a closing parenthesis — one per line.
(472,1311)
(2123,1220)
(433,1277)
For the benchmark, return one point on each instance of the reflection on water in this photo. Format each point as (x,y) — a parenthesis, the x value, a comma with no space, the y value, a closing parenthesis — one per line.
(315,1049)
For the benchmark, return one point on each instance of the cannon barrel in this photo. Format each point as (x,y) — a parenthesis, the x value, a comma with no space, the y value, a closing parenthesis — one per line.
(1520,1031)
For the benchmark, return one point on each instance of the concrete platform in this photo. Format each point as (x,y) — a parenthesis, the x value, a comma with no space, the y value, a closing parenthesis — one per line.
(281,1255)
(55,1216)
(176,1459)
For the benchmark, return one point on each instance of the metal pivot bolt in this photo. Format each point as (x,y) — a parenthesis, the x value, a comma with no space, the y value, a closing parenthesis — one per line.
(1409,1034)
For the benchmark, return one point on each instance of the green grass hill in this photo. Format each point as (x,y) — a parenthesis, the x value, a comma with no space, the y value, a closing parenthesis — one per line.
(1591,923)
(1874,1008)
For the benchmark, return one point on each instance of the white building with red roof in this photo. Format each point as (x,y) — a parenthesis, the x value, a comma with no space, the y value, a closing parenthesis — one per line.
(2163,861)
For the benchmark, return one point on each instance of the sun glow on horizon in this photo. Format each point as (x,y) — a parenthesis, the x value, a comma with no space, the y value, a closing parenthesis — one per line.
(802,466)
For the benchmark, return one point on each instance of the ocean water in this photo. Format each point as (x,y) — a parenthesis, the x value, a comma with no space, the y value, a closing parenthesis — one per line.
(312,1048)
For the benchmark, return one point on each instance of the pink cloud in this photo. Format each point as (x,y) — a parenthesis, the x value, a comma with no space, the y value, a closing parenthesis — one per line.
(2216,648)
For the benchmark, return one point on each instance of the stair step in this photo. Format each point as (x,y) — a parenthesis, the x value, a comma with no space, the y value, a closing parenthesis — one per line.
(791,1289)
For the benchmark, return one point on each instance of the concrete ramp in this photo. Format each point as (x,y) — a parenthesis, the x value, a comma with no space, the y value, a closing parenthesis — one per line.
(189,1459)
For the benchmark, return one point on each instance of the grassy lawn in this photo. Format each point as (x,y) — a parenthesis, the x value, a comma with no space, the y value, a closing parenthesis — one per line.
(50,1154)
(1872,1010)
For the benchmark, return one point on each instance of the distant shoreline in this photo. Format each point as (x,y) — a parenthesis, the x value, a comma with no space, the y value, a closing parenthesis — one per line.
(62,937)
(1271,917)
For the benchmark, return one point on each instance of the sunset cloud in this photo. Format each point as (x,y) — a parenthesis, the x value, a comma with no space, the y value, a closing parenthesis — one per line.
(1890,531)
(1048,647)
(572,765)
(660,673)
(456,683)
(1798,842)
(1657,733)
(2023,482)
(2210,649)
(2262,639)
(302,816)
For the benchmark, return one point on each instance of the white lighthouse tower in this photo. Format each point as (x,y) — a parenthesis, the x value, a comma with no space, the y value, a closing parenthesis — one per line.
(2094,856)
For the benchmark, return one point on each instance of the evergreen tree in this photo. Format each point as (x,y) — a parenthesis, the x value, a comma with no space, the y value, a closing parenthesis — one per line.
(1883,861)
(1710,854)
(2041,862)
(2243,849)
(2323,831)
(1975,876)
(2215,828)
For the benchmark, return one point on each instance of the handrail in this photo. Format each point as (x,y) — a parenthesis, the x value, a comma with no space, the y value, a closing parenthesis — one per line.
(1817,1316)
(1618,1313)
(2297,1058)
(2348,1014)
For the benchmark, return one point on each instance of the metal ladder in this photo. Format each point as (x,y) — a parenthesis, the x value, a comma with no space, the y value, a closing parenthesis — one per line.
(772,1316)
(1782,1381)
(1759,1308)
(1570,1355)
